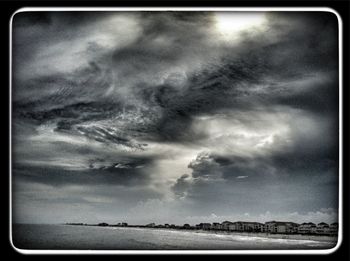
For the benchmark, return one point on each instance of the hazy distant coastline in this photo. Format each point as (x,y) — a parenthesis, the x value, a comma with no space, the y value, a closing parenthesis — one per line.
(313,237)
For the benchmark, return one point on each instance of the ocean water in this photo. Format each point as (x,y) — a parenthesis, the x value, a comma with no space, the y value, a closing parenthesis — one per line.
(56,237)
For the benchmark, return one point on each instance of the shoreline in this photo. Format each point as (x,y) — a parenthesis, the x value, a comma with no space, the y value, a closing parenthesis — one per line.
(320,238)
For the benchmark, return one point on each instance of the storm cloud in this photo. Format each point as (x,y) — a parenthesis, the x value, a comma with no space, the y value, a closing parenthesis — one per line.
(197,112)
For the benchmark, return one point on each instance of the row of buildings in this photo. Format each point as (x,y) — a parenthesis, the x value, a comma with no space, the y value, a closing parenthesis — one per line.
(267,227)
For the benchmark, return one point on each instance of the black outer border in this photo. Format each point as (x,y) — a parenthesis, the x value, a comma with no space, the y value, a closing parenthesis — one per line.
(7,8)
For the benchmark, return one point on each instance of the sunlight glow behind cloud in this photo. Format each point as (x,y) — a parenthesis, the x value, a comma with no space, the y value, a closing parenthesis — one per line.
(230,25)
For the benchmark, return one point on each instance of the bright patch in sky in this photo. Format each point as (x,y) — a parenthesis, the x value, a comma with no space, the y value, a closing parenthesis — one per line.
(229,24)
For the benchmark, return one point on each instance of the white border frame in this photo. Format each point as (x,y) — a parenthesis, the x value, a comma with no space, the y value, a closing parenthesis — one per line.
(190,252)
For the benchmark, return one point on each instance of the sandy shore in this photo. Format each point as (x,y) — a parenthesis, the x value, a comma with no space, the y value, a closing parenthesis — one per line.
(322,238)
(290,236)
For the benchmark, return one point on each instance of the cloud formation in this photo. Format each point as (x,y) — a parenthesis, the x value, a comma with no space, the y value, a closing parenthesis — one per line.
(169,107)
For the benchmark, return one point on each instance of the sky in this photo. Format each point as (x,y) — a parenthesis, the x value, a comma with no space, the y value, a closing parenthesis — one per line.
(175,117)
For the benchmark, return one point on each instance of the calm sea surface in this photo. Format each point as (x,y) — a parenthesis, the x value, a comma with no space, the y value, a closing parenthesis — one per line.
(117,238)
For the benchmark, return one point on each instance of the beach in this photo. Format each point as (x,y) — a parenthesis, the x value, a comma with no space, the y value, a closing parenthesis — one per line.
(65,237)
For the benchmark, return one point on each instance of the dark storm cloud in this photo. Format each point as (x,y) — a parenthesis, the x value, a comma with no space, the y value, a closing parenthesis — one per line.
(77,86)
(227,84)
(165,40)
(288,69)
(78,112)
(277,165)
(221,184)
(70,99)
(207,92)
(115,174)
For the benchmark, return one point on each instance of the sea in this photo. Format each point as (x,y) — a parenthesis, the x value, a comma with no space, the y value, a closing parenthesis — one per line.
(73,237)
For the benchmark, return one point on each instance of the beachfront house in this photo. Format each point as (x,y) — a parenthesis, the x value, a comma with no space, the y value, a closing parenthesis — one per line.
(322,228)
(216,226)
(232,227)
(186,226)
(151,225)
(333,228)
(307,228)
(247,226)
(205,226)
(270,227)
(259,227)
(291,227)
(281,227)
(237,226)
(226,225)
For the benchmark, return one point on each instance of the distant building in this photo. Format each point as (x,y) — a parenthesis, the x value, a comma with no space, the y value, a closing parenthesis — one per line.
(205,226)
(216,226)
(237,226)
(322,228)
(307,228)
(151,225)
(259,227)
(225,225)
(232,227)
(245,226)
(281,227)
(333,228)
(103,224)
(186,226)
(124,224)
